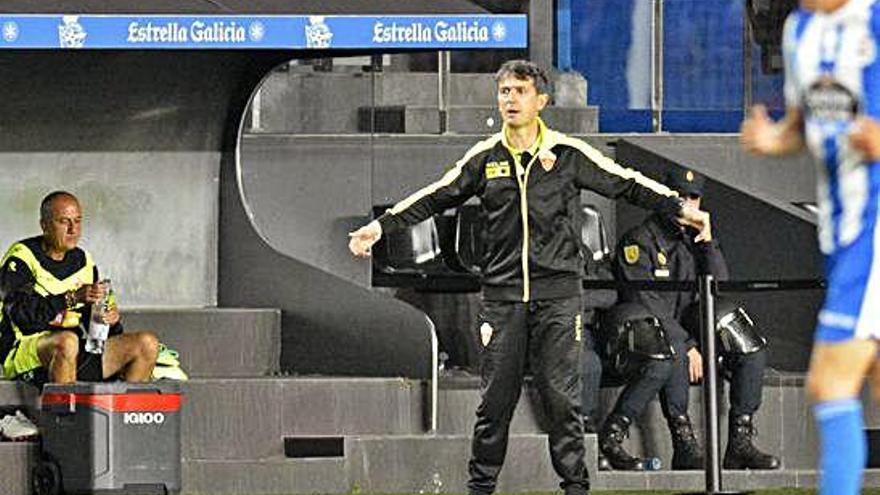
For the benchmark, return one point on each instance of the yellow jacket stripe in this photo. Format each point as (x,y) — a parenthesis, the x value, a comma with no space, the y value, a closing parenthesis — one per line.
(610,166)
(449,177)
(46,283)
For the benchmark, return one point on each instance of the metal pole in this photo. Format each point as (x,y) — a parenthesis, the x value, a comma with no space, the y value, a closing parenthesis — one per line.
(657,66)
(748,95)
(256,108)
(435,377)
(563,35)
(444,67)
(710,384)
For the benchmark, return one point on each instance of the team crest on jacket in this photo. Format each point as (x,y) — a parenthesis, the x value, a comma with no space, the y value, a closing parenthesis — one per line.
(548,159)
(631,254)
(486,332)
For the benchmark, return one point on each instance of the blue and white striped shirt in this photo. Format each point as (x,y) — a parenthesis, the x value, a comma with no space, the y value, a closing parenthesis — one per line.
(833,76)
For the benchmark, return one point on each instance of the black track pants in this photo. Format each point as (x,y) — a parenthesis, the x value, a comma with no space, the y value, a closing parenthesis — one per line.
(547,335)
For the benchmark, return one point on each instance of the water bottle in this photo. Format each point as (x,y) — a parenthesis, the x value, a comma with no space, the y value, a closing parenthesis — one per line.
(98,329)
(652,463)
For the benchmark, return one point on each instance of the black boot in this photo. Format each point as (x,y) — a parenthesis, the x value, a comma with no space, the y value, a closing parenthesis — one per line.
(614,432)
(741,452)
(687,453)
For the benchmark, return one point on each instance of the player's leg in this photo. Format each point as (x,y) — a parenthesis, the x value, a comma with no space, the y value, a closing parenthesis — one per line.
(134,354)
(55,351)
(837,372)
(844,352)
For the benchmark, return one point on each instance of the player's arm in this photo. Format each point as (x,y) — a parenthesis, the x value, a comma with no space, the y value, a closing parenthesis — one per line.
(30,311)
(763,136)
(865,137)
(453,189)
(603,175)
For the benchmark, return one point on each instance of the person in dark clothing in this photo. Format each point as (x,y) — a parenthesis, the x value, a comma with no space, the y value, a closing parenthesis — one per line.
(49,284)
(661,249)
(528,178)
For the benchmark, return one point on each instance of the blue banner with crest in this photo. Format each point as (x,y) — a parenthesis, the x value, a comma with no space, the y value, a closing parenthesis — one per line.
(294,32)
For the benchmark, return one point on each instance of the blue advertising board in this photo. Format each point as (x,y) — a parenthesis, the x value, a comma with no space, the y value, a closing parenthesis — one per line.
(293,32)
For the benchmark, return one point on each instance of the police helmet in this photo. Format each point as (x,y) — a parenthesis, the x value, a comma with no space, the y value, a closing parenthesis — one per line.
(734,328)
(629,336)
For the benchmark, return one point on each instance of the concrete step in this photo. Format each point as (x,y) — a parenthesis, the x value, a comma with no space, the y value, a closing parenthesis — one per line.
(233,435)
(350,406)
(328,102)
(275,475)
(248,418)
(407,88)
(784,422)
(424,463)
(473,119)
(411,465)
(17,394)
(411,88)
(216,342)
(16,460)
(380,464)
(485,119)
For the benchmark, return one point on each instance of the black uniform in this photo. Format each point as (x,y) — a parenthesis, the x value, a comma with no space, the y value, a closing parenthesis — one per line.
(531,278)
(658,249)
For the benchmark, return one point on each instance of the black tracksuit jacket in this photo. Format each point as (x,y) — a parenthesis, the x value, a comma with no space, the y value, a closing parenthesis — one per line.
(531,238)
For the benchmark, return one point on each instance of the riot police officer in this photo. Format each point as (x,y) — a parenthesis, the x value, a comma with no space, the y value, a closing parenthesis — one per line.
(661,249)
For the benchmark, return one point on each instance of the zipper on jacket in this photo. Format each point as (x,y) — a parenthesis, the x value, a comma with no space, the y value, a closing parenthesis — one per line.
(524,211)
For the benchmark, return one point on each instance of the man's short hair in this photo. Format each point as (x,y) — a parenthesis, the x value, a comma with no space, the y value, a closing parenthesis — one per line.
(46,204)
(525,69)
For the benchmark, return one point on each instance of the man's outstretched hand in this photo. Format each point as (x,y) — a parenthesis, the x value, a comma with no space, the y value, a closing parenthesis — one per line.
(699,220)
(865,137)
(361,241)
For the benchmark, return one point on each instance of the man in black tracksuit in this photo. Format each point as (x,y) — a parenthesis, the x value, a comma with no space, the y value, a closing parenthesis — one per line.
(528,178)
(661,249)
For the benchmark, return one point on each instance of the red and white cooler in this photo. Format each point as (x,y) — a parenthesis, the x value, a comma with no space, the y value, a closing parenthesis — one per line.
(109,438)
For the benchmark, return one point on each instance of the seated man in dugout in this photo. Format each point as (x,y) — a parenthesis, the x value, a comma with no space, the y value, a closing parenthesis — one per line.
(49,285)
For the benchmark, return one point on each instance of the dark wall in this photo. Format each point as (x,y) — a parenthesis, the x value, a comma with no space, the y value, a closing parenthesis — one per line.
(786,179)
(99,108)
(138,137)
(96,102)
(329,324)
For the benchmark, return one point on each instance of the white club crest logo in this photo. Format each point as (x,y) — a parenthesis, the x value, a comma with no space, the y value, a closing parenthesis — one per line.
(10,31)
(499,31)
(71,33)
(256,31)
(486,332)
(318,34)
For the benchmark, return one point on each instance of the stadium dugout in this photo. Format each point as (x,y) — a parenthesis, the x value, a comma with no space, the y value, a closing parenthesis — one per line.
(226,147)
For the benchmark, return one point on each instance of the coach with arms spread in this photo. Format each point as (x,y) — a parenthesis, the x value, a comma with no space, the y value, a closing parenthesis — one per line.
(528,178)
